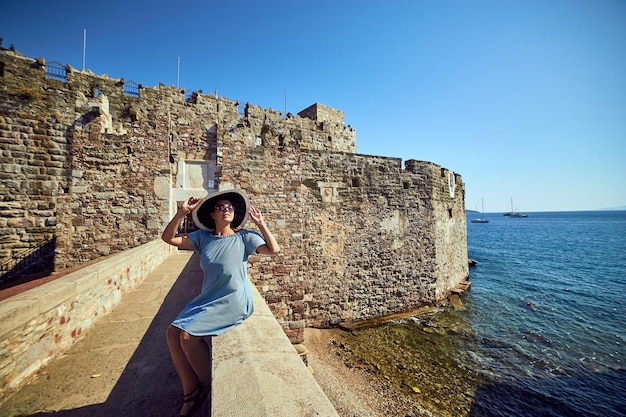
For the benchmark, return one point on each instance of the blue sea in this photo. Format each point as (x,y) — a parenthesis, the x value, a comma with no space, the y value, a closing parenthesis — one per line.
(548,310)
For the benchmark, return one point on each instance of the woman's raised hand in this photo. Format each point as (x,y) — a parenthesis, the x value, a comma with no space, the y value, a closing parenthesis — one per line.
(255,215)
(190,204)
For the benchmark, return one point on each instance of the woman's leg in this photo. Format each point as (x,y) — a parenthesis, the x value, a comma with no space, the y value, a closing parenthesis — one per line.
(198,353)
(188,354)
(187,375)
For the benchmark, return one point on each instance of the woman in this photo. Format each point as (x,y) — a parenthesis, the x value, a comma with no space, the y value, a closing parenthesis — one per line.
(226,297)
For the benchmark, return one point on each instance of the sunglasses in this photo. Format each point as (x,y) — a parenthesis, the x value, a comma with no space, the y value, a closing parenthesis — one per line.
(224,207)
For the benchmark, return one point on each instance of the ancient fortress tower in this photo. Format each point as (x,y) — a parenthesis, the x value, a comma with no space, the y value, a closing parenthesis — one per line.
(92,166)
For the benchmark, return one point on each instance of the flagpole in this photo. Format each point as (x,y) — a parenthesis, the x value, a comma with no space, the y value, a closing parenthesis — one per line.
(84,46)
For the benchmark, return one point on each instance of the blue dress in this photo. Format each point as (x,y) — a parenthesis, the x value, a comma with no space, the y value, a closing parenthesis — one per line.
(226,297)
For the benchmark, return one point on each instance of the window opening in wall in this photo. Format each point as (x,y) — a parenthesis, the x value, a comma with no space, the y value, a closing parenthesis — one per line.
(450,213)
(281,140)
(1,69)
(406,185)
(56,71)
(94,91)
(131,89)
(356,182)
(330,138)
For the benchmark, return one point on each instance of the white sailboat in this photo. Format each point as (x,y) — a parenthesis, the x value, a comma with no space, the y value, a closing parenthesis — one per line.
(481,219)
(515,214)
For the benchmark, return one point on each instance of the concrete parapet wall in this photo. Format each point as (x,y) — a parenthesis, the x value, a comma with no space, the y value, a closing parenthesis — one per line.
(258,356)
(40,324)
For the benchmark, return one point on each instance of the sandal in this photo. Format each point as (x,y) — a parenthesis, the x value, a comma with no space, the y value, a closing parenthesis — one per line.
(196,397)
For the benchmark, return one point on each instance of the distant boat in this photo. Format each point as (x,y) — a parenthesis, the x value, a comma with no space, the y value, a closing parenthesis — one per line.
(481,219)
(517,215)
(514,214)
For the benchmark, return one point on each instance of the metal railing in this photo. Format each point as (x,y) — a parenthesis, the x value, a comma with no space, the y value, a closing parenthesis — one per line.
(29,262)
(131,89)
(56,71)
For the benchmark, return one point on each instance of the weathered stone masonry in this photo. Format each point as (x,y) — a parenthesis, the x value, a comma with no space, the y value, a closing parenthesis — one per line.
(101,171)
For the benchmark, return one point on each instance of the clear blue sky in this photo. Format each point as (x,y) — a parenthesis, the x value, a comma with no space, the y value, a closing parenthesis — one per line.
(526,99)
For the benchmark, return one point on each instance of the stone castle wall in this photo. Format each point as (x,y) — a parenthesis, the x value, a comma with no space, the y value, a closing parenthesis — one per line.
(101,171)
(75,166)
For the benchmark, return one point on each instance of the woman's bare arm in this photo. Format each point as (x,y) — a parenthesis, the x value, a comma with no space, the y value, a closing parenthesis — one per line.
(169,234)
(270,247)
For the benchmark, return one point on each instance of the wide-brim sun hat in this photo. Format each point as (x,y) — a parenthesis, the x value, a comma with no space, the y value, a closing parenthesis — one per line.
(237,197)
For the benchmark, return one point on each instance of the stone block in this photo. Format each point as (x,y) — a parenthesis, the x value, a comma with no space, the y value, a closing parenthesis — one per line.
(57,292)
(84,282)
(16,312)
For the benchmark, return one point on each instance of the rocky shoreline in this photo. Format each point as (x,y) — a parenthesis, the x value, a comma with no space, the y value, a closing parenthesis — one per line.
(406,368)
(354,392)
